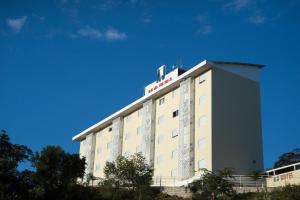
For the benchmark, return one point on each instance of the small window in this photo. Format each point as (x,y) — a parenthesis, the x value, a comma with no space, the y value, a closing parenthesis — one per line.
(99,150)
(110,129)
(139,149)
(161,101)
(173,173)
(202,78)
(159,159)
(139,130)
(161,119)
(127,136)
(140,112)
(174,154)
(175,113)
(175,133)
(128,118)
(108,145)
(201,164)
(160,139)
(202,100)
(201,143)
(202,120)
(175,93)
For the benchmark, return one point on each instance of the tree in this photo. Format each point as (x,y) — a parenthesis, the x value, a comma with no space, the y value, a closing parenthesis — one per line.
(13,184)
(214,185)
(132,173)
(56,171)
(288,158)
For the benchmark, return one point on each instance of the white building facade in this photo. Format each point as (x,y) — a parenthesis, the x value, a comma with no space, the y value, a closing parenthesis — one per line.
(206,117)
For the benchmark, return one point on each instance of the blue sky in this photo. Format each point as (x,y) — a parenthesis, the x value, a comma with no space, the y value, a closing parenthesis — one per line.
(67,64)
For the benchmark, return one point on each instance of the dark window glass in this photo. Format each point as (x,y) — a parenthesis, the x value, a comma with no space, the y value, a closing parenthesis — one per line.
(175,113)
(297,167)
(110,129)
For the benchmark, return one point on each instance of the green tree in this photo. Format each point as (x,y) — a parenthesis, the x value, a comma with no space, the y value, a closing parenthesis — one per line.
(213,185)
(132,173)
(13,184)
(288,158)
(56,172)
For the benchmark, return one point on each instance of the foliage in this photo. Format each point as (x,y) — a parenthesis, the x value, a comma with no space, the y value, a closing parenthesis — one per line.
(288,158)
(132,173)
(213,185)
(13,184)
(56,171)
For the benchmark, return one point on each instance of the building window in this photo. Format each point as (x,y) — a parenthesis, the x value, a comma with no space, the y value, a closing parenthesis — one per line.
(175,132)
(173,173)
(202,120)
(174,154)
(201,164)
(97,167)
(108,145)
(140,112)
(175,113)
(109,129)
(161,101)
(175,93)
(160,139)
(138,149)
(297,167)
(139,130)
(202,100)
(202,78)
(201,143)
(127,136)
(99,150)
(159,159)
(161,119)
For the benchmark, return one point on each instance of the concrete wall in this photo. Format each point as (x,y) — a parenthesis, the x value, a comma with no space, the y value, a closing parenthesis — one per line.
(236,122)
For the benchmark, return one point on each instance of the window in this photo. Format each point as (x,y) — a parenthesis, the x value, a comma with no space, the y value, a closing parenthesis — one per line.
(175,93)
(201,143)
(202,120)
(175,113)
(108,145)
(161,119)
(297,167)
(159,159)
(97,167)
(140,112)
(161,101)
(138,149)
(139,130)
(202,78)
(174,154)
(160,139)
(110,129)
(99,150)
(174,173)
(201,164)
(202,100)
(175,132)
(127,136)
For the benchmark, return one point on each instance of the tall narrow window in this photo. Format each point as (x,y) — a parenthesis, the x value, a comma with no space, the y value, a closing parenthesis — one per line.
(201,164)
(110,129)
(161,119)
(175,113)
(175,132)
(160,139)
(202,120)
(161,101)
(202,78)
(174,173)
(201,143)
(174,154)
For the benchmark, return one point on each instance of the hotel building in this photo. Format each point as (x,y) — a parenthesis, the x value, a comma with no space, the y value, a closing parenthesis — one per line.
(206,117)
